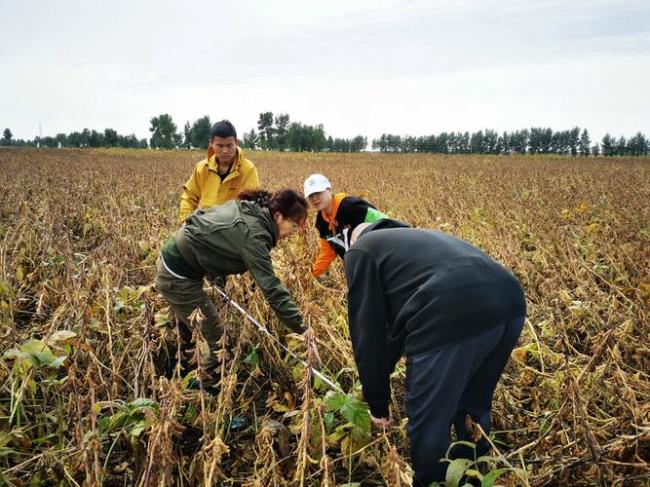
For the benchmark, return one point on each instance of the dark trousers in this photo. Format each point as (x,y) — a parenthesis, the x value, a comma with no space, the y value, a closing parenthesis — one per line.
(447,384)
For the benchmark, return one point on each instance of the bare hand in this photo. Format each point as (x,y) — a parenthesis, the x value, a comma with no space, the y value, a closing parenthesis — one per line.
(382,422)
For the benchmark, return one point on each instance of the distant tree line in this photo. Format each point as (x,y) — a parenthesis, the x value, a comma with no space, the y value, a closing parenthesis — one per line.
(85,138)
(536,140)
(273,133)
(279,133)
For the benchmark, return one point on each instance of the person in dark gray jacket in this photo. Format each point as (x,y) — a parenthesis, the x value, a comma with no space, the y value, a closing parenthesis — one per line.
(223,240)
(455,313)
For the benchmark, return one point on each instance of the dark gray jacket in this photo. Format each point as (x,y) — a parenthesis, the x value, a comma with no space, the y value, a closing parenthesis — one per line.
(412,291)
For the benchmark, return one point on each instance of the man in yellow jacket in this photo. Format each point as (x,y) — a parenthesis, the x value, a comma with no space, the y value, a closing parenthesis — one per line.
(221,176)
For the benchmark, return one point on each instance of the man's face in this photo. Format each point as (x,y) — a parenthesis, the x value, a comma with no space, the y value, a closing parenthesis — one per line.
(224,148)
(321,200)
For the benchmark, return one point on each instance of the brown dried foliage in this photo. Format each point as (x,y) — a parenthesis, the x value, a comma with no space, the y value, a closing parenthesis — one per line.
(80,232)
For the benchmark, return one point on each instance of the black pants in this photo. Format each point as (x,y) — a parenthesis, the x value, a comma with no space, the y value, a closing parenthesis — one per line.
(445,385)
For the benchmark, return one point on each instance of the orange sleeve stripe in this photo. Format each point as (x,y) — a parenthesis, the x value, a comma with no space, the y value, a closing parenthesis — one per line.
(325,257)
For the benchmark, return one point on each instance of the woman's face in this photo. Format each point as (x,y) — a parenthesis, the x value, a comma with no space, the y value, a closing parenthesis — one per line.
(286,227)
(321,200)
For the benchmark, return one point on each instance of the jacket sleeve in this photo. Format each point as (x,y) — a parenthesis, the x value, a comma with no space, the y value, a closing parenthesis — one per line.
(367,321)
(325,257)
(252,180)
(257,259)
(190,197)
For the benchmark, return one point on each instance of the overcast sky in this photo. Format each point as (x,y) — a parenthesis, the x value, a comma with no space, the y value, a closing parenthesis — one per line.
(358,67)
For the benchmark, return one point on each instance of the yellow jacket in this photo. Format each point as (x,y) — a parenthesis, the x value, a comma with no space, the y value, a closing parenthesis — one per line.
(205,188)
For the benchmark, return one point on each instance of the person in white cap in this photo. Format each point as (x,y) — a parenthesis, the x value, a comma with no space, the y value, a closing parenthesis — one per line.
(338,216)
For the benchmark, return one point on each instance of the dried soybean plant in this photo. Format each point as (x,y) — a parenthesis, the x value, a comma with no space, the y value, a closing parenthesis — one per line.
(92,393)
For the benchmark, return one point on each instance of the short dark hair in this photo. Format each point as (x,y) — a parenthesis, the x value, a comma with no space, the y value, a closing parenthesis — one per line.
(223,129)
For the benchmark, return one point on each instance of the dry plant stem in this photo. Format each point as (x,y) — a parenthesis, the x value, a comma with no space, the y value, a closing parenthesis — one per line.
(305,384)
(325,462)
(108,322)
(594,447)
(574,232)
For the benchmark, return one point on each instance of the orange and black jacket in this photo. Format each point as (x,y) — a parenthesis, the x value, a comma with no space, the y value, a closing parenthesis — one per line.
(335,229)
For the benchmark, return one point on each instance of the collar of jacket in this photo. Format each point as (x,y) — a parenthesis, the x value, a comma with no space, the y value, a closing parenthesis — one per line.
(275,231)
(331,219)
(264,216)
(212,165)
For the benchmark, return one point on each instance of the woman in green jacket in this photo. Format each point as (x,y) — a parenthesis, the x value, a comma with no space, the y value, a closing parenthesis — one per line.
(229,239)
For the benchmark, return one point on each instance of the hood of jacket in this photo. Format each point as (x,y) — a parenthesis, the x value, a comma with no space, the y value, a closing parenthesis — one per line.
(264,217)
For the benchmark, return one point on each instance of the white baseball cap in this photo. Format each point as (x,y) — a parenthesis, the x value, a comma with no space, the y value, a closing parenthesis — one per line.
(315,184)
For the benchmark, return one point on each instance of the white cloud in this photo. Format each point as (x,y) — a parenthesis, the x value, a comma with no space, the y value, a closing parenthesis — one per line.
(357,67)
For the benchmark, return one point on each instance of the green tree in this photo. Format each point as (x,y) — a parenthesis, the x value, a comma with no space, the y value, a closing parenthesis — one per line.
(585,143)
(540,140)
(7,137)
(280,137)
(318,139)
(178,139)
(441,143)
(187,135)
(250,140)
(95,139)
(85,138)
(503,143)
(163,132)
(306,137)
(200,132)
(61,140)
(295,137)
(607,146)
(74,139)
(110,138)
(381,143)
(574,140)
(476,142)
(48,141)
(535,142)
(265,127)
(560,142)
(490,142)
(358,143)
(638,145)
(129,141)
(519,141)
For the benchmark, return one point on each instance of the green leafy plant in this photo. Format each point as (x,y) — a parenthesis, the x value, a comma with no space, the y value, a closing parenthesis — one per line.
(355,432)
(36,361)
(133,417)
(461,470)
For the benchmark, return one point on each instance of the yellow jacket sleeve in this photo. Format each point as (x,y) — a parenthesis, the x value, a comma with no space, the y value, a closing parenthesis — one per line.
(190,197)
(252,180)
(325,257)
